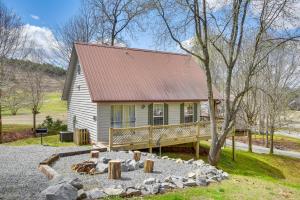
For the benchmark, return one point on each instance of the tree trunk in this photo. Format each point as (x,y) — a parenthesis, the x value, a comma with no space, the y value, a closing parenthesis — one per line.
(272,139)
(249,140)
(267,133)
(34,122)
(94,154)
(148,166)
(114,169)
(137,155)
(0,117)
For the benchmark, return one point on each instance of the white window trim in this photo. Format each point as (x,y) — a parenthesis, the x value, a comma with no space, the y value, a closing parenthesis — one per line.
(163,115)
(186,115)
(122,105)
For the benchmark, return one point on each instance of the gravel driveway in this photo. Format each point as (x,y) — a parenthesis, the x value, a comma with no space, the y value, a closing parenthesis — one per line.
(19,175)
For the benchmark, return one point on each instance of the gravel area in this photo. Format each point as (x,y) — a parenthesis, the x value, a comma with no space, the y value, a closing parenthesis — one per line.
(162,169)
(19,174)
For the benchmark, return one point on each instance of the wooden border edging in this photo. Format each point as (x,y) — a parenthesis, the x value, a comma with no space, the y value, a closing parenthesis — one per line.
(48,171)
(50,160)
(45,165)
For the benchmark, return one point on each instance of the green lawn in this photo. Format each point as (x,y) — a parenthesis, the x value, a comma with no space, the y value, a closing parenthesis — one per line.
(51,140)
(253,176)
(10,128)
(279,137)
(52,104)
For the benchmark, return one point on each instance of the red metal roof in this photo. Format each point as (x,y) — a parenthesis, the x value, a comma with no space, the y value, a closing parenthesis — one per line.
(124,74)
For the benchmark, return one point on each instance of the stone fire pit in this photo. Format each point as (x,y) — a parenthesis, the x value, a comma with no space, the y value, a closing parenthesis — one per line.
(168,174)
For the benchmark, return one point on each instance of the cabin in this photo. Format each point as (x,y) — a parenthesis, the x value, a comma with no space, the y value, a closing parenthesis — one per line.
(134,97)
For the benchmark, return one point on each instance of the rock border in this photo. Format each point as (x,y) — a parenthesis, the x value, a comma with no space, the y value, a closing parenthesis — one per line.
(49,172)
(64,188)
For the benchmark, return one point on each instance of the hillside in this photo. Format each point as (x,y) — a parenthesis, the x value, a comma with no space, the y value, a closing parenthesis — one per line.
(53,76)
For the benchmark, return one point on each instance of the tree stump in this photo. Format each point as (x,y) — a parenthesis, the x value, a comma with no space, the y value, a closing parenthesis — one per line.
(148,166)
(114,169)
(94,154)
(137,155)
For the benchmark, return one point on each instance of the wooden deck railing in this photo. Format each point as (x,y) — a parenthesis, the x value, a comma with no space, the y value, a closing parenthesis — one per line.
(154,136)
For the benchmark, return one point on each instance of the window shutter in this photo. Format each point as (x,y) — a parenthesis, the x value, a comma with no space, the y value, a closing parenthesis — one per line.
(195,112)
(150,114)
(166,114)
(182,113)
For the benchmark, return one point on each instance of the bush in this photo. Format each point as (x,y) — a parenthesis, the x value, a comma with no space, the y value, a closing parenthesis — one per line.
(53,126)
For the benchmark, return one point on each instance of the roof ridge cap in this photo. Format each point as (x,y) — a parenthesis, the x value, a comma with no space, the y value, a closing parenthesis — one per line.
(133,49)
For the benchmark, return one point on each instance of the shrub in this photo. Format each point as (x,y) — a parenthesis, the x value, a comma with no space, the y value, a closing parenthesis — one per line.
(53,126)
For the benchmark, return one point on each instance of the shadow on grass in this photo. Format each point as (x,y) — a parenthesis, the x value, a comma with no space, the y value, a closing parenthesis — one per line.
(247,164)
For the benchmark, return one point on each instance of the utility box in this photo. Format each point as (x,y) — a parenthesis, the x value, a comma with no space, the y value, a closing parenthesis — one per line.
(66,136)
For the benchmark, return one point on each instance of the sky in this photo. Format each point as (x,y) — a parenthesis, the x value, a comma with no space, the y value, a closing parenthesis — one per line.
(44,13)
(42,17)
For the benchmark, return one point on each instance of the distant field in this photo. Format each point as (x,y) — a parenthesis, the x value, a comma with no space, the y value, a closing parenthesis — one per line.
(53,106)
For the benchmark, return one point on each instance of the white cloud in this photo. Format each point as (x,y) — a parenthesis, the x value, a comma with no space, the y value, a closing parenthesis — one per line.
(41,40)
(35,17)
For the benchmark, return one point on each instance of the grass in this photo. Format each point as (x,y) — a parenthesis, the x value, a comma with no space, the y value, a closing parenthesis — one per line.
(253,176)
(10,128)
(238,187)
(50,140)
(52,104)
(281,137)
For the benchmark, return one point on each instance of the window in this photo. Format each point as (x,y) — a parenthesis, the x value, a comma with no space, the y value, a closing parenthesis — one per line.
(122,116)
(188,112)
(78,69)
(158,114)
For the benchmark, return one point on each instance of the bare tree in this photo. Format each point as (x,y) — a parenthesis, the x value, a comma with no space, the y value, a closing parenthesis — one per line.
(79,28)
(34,88)
(195,19)
(14,98)
(115,17)
(10,41)
(282,75)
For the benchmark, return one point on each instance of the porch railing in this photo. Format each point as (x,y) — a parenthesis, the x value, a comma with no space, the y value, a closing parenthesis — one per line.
(162,135)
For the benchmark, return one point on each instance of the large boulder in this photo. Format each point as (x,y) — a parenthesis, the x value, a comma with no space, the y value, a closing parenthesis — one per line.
(113,191)
(95,193)
(190,183)
(102,168)
(132,192)
(149,181)
(63,191)
(153,188)
(104,160)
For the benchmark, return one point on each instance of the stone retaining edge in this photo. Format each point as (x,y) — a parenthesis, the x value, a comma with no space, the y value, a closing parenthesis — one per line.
(49,172)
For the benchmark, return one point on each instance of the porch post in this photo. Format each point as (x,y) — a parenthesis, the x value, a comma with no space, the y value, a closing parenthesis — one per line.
(110,139)
(197,148)
(150,139)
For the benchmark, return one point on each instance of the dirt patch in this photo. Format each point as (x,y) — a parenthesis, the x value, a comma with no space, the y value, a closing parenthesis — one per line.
(10,137)
(279,143)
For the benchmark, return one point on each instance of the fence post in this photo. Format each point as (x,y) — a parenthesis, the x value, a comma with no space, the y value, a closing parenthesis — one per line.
(150,138)
(110,139)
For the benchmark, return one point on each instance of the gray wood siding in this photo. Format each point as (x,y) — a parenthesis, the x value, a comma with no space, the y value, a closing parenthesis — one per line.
(174,113)
(141,116)
(81,106)
(103,121)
